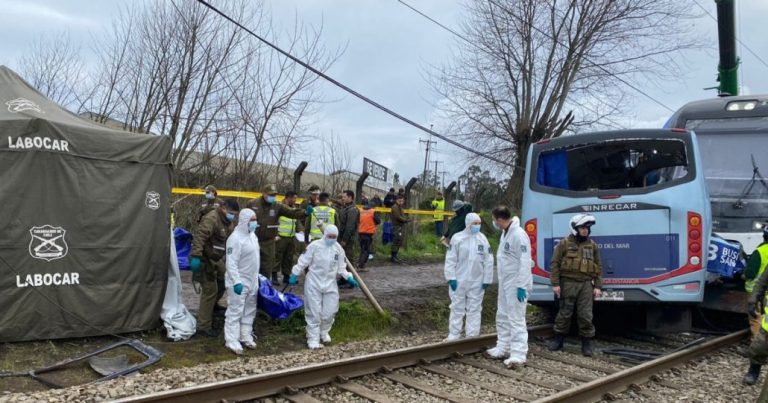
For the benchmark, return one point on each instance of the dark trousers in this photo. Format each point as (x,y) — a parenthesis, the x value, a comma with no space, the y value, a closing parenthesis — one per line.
(575,295)
(366,243)
(267,255)
(285,249)
(439,228)
(397,239)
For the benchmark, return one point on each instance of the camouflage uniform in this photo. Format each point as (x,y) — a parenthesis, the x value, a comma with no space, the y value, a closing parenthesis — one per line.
(209,244)
(267,215)
(576,268)
(398,222)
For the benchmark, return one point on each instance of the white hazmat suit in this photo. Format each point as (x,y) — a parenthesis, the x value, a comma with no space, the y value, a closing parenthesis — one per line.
(469,262)
(513,261)
(324,262)
(242,268)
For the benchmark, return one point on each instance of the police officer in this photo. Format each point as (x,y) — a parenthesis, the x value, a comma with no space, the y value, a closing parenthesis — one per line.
(268,212)
(756,265)
(286,243)
(576,275)
(207,257)
(322,214)
(758,349)
(349,221)
(438,204)
(398,226)
(212,202)
(314,196)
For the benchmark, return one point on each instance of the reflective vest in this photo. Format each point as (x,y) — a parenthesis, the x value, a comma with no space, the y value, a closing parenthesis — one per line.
(367,224)
(749,285)
(286,227)
(326,214)
(765,314)
(438,205)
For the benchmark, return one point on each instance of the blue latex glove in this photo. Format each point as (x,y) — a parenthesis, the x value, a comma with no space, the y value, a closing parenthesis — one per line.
(309,210)
(453,284)
(238,288)
(485,285)
(293,280)
(521,294)
(351,281)
(194,264)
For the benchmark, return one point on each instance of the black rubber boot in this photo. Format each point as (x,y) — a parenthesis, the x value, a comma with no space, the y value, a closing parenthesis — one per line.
(275,280)
(586,347)
(396,259)
(557,343)
(751,377)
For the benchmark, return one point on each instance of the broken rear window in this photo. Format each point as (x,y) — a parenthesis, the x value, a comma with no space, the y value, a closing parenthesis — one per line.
(614,165)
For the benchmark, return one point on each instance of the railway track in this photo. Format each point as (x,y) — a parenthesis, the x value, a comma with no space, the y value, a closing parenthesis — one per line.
(435,371)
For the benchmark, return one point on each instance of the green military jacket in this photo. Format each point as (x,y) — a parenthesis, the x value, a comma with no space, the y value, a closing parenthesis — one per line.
(398,218)
(576,261)
(208,206)
(268,215)
(210,239)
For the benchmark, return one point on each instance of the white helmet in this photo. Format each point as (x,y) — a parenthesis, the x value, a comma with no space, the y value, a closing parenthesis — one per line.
(580,220)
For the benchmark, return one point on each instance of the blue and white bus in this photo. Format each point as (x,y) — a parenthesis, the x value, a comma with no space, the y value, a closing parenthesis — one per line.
(649,198)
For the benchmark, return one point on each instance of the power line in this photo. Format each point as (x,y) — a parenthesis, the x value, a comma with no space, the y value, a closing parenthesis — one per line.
(737,39)
(350,90)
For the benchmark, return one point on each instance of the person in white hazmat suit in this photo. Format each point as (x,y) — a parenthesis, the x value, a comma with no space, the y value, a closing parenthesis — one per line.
(242,283)
(513,262)
(324,259)
(469,271)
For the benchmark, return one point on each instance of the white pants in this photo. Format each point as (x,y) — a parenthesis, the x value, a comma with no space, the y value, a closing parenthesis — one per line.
(320,310)
(241,311)
(511,329)
(467,301)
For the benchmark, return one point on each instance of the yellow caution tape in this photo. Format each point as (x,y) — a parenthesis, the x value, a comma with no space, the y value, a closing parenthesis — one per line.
(253,195)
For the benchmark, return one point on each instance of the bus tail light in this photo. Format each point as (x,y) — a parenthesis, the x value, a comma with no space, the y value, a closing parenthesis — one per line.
(694,242)
(531,228)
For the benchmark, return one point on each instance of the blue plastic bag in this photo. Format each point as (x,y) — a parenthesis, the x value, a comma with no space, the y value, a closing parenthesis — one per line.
(386,235)
(278,305)
(183,240)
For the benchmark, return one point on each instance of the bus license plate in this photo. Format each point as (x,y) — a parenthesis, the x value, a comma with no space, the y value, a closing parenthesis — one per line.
(610,295)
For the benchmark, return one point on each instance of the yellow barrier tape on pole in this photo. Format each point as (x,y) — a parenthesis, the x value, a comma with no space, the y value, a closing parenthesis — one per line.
(253,195)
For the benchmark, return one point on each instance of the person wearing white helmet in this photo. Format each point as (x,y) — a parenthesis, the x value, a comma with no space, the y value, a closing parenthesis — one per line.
(242,283)
(468,271)
(324,259)
(514,262)
(577,278)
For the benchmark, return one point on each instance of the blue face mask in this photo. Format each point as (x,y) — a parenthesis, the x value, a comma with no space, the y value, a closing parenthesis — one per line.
(329,241)
(475,228)
(496,226)
(271,199)
(210,196)
(230,217)
(252,226)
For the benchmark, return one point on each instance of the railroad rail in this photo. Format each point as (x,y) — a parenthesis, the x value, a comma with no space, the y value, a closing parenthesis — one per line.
(288,384)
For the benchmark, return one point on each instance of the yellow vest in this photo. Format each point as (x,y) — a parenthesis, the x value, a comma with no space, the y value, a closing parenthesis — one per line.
(286,227)
(749,285)
(765,314)
(438,205)
(326,214)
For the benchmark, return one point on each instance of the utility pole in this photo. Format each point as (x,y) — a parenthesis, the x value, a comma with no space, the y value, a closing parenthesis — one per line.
(436,162)
(429,143)
(442,183)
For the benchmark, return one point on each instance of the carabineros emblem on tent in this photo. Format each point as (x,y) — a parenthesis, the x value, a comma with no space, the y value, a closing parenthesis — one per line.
(48,243)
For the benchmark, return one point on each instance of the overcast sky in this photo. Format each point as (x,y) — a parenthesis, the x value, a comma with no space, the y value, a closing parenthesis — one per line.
(388,49)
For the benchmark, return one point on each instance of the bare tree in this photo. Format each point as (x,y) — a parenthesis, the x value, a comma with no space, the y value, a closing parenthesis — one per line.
(53,66)
(529,70)
(336,161)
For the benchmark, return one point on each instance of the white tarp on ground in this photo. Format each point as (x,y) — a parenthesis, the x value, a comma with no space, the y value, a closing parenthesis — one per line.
(179,322)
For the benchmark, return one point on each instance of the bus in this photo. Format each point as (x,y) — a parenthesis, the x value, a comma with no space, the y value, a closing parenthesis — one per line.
(732,133)
(645,189)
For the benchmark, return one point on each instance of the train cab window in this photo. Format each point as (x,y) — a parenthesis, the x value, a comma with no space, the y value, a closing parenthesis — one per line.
(613,165)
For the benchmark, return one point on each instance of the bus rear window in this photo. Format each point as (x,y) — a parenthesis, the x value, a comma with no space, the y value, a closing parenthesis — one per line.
(613,165)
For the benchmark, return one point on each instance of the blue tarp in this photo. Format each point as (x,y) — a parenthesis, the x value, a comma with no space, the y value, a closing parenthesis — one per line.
(386,234)
(278,305)
(183,239)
